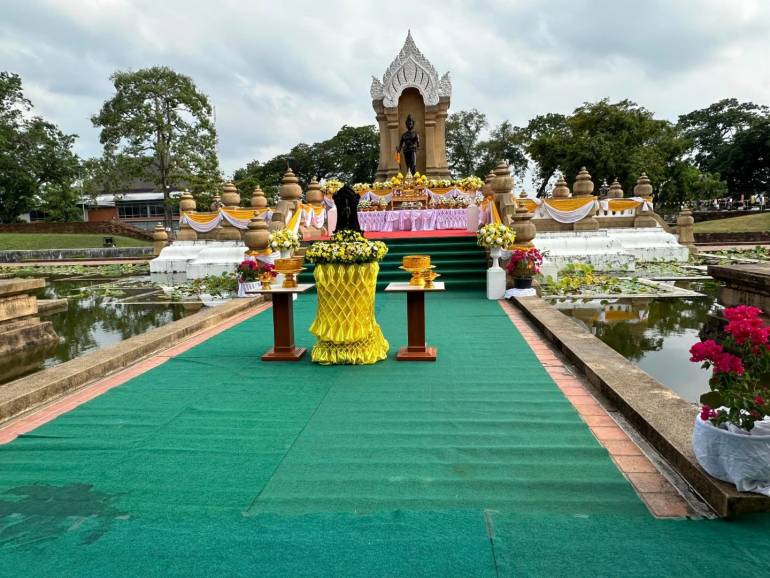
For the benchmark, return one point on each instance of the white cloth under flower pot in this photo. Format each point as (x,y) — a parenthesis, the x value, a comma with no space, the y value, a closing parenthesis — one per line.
(248,287)
(741,459)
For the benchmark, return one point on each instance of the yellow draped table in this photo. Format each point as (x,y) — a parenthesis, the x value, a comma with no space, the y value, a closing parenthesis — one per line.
(345,326)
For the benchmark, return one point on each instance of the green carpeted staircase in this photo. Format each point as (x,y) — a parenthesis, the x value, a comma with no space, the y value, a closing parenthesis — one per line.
(459,260)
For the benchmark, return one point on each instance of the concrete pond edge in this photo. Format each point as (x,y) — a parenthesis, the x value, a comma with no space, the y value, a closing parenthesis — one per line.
(31,392)
(660,416)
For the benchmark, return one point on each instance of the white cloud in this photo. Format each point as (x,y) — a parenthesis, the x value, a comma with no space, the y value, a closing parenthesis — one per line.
(284,72)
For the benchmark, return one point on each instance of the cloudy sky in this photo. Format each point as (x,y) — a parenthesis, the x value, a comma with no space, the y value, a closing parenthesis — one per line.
(284,71)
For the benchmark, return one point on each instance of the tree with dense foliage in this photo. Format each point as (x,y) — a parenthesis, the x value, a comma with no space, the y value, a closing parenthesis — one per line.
(159,127)
(36,158)
(350,156)
(620,140)
(463,132)
(732,138)
(505,143)
(354,153)
(468,155)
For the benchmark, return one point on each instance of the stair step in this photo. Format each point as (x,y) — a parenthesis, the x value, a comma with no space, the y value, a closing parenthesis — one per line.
(459,260)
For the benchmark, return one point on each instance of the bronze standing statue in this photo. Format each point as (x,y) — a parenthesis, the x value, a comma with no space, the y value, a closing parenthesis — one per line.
(409,144)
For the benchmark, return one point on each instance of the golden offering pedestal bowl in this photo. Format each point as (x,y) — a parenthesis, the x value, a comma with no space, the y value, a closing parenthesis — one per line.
(417,265)
(289,268)
(429,276)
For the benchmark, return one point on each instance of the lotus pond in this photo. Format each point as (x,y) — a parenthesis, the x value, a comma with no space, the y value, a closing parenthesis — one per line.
(99,312)
(656,333)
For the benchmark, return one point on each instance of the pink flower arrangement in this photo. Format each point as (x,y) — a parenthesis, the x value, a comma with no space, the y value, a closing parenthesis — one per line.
(740,362)
(250,270)
(525,262)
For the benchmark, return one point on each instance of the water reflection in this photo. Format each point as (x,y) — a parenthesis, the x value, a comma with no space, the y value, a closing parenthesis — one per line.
(90,322)
(656,334)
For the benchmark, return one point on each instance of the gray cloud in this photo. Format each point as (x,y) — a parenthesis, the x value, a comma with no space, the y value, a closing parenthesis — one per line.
(284,72)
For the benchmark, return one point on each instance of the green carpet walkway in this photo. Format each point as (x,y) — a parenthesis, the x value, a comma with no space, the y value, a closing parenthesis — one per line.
(215,464)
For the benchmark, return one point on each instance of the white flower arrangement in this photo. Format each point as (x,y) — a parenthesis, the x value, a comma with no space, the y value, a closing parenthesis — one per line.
(469,183)
(284,240)
(331,186)
(363,205)
(495,235)
(439,183)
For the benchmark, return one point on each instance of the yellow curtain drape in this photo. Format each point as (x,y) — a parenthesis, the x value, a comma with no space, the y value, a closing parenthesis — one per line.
(621,204)
(528,204)
(570,204)
(244,214)
(495,213)
(345,325)
(201,218)
(293,224)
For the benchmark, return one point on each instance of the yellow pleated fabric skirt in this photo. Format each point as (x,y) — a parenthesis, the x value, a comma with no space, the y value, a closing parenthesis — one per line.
(345,326)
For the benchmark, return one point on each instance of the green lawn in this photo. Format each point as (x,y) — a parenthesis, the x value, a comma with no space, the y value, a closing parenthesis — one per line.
(21,241)
(759,222)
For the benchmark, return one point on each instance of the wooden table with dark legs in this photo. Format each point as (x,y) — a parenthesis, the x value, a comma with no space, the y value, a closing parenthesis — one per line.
(417,349)
(283,323)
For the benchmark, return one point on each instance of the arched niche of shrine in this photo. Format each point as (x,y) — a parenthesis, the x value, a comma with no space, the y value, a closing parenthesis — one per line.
(411,103)
(411,85)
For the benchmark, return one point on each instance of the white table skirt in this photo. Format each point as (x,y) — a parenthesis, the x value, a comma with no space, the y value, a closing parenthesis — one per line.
(412,220)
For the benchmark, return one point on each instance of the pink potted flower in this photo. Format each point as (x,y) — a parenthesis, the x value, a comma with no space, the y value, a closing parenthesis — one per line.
(523,265)
(250,271)
(732,430)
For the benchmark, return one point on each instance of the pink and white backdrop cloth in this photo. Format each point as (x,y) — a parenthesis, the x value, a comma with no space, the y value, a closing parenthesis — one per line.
(413,220)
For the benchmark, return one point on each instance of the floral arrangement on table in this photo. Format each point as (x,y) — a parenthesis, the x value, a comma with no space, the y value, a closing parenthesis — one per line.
(740,383)
(383,202)
(439,183)
(395,182)
(284,240)
(249,271)
(346,248)
(525,262)
(495,235)
(331,186)
(478,198)
(364,205)
(420,180)
(469,183)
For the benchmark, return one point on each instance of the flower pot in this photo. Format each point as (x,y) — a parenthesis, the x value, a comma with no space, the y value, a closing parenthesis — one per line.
(286,253)
(522,282)
(741,459)
(495,253)
(250,286)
